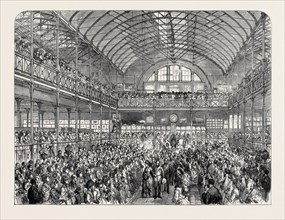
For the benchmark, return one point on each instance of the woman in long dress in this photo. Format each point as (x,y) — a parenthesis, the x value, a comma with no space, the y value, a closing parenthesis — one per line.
(147,182)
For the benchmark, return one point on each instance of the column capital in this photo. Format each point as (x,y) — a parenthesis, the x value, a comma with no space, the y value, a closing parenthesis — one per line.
(68,109)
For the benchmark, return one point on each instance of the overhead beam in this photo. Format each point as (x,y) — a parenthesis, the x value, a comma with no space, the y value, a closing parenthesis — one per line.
(247,41)
(84,39)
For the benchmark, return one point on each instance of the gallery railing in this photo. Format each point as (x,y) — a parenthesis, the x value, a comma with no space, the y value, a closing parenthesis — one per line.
(23,152)
(25,146)
(249,140)
(165,100)
(47,74)
(255,80)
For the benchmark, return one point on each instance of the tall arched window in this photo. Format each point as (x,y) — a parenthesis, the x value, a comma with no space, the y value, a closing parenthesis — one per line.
(174,73)
(162,74)
(186,74)
(174,78)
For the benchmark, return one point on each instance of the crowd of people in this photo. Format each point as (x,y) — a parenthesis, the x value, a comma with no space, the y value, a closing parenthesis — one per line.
(22,45)
(177,99)
(181,137)
(107,174)
(172,95)
(240,138)
(115,173)
(23,137)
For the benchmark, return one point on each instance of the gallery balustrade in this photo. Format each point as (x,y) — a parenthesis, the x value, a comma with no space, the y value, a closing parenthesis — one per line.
(254,82)
(179,99)
(49,75)
(26,148)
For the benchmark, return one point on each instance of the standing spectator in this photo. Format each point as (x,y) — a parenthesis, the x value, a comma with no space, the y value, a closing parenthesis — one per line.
(212,194)
(158,176)
(266,184)
(34,194)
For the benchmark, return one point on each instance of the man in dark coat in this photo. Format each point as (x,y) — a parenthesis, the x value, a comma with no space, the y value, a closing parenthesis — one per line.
(147,180)
(34,194)
(212,194)
(157,182)
(266,184)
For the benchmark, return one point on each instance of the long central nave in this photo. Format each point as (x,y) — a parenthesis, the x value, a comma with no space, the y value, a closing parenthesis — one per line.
(142,108)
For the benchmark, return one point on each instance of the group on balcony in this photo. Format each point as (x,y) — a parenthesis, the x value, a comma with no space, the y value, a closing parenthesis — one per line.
(23,137)
(22,46)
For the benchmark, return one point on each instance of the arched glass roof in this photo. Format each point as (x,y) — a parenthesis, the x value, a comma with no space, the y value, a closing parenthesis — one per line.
(122,37)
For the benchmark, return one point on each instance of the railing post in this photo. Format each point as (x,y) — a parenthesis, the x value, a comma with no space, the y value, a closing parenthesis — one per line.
(42,118)
(76,90)
(116,121)
(205,119)
(56,124)
(117,125)
(153,128)
(263,118)
(190,115)
(18,111)
(32,85)
(263,15)
(101,111)
(27,115)
(57,81)
(229,113)
(90,98)
(244,122)
(79,119)
(39,113)
(252,116)
(68,116)
(110,120)
(233,119)
(90,122)
(238,118)
(252,63)
(76,119)
(100,98)
(238,121)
